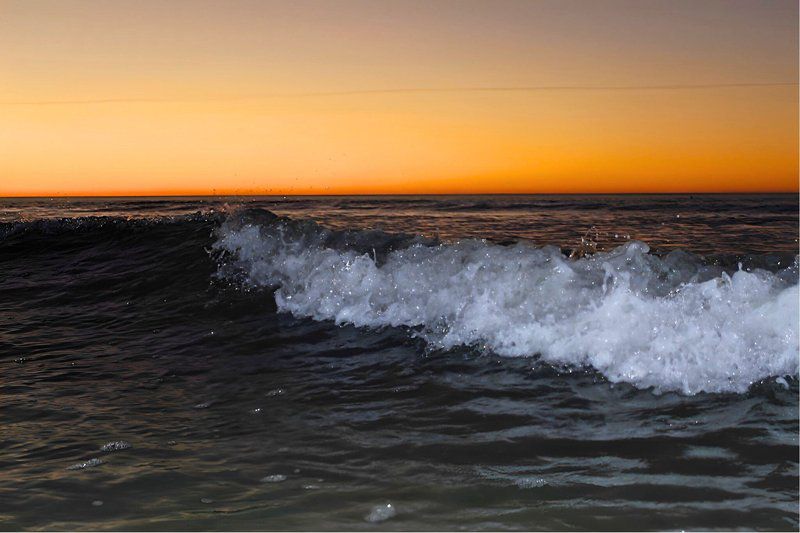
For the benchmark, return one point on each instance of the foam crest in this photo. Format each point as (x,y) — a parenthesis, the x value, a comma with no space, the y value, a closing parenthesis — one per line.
(671,323)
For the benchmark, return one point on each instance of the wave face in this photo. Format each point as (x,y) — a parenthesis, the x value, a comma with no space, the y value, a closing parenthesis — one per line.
(673,323)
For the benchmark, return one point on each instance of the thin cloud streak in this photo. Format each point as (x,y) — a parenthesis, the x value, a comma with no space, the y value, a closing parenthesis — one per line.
(367,92)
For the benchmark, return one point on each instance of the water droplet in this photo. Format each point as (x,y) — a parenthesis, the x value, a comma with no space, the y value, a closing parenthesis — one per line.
(97,503)
(274,478)
(206,500)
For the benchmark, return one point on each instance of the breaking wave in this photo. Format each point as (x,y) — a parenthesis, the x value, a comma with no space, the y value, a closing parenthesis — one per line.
(673,323)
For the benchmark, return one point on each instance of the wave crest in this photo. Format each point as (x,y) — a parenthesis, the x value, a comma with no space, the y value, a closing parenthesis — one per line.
(671,323)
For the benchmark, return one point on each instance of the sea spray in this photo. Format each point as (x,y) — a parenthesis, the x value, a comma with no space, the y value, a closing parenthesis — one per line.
(671,323)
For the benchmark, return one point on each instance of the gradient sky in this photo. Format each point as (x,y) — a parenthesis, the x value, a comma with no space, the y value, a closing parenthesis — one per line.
(336,96)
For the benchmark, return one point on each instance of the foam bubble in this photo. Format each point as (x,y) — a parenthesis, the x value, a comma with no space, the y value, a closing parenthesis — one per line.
(115,446)
(379,513)
(671,323)
(274,478)
(531,482)
(86,464)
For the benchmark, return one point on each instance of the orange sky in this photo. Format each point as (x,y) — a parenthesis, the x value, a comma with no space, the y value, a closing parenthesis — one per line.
(322,97)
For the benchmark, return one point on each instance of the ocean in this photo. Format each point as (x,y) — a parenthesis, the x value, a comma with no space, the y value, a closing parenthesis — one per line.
(402,363)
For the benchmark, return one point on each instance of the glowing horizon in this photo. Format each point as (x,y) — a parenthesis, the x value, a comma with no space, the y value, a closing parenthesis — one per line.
(251,98)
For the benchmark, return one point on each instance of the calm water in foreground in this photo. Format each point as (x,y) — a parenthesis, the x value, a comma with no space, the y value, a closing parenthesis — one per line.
(198,363)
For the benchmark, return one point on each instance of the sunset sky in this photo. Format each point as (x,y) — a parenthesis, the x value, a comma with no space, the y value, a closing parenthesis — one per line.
(341,97)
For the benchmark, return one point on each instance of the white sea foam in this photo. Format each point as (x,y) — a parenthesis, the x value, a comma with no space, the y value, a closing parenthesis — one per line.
(86,464)
(115,446)
(672,323)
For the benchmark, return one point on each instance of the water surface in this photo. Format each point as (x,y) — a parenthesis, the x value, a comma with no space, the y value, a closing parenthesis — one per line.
(134,320)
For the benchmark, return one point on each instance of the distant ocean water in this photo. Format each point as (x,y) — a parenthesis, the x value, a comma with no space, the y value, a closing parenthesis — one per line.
(415,362)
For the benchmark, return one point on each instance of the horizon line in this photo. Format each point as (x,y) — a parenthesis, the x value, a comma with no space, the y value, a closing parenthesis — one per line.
(366,92)
(278,195)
